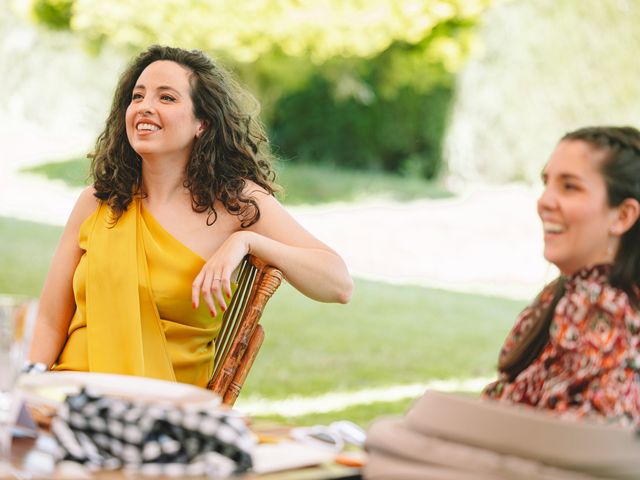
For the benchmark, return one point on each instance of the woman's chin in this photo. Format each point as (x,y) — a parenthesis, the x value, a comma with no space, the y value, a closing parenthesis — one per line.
(558,262)
(550,256)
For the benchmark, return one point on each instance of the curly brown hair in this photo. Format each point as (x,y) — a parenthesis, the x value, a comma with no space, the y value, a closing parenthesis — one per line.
(232,150)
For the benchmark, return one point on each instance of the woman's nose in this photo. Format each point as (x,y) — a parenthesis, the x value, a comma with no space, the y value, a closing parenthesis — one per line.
(547,199)
(146,109)
(145,106)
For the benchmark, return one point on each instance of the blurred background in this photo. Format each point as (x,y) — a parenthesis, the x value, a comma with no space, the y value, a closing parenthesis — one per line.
(410,135)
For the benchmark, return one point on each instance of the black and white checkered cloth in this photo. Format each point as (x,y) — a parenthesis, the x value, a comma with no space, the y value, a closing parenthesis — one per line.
(151,439)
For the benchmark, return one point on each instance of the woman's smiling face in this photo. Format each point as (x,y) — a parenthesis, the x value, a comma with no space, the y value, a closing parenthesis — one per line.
(160,118)
(574,209)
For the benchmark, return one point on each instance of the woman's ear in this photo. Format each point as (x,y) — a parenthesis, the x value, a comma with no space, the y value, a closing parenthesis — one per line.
(202,126)
(627,214)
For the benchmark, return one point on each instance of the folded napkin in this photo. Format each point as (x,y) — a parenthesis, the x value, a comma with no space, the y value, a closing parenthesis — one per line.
(151,439)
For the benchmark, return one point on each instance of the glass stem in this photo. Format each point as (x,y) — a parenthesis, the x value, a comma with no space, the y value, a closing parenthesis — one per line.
(5,442)
(6,422)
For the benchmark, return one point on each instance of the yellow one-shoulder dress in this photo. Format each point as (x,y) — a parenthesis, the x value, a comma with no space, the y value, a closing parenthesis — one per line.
(132,289)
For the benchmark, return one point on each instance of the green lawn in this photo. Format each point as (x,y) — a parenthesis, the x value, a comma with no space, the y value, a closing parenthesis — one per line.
(360,414)
(74,172)
(387,335)
(302,183)
(306,183)
(26,251)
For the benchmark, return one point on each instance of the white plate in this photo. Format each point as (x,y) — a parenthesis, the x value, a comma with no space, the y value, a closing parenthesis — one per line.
(287,455)
(54,386)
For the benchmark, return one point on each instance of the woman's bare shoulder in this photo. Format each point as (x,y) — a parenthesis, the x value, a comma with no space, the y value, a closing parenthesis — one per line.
(86,204)
(252,189)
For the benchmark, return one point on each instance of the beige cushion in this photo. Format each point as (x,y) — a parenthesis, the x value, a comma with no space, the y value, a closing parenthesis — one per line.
(452,436)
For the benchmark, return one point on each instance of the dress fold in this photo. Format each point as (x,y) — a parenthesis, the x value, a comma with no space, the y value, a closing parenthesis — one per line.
(133,315)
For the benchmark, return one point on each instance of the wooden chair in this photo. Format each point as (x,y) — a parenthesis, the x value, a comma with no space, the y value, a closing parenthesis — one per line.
(241,336)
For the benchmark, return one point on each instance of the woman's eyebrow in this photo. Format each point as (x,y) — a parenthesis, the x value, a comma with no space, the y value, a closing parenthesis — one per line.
(570,176)
(166,87)
(161,88)
(562,176)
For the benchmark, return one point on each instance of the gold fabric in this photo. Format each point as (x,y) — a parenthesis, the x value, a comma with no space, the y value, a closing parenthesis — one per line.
(133,315)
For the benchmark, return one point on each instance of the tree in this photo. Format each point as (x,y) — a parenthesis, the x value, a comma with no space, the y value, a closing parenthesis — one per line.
(367,52)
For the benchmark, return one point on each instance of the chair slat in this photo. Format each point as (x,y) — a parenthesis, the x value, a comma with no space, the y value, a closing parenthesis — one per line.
(240,336)
(230,317)
(243,369)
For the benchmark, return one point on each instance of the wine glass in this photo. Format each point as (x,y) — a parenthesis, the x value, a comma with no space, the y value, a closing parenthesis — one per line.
(13,345)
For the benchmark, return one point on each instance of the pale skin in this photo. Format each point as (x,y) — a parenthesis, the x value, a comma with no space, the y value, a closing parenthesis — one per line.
(161,98)
(581,229)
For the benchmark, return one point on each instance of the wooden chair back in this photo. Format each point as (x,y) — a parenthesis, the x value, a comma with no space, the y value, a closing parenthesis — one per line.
(241,335)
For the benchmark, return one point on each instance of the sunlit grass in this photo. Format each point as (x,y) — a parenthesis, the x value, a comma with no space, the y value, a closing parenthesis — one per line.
(362,415)
(302,183)
(27,248)
(387,335)
(73,172)
(307,183)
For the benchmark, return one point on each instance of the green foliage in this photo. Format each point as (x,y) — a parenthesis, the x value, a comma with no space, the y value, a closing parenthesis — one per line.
(398,134)
(354,83)
(277,46)
(55,14)
(247,30)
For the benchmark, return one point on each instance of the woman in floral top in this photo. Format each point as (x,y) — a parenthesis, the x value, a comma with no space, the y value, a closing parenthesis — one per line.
(575,349)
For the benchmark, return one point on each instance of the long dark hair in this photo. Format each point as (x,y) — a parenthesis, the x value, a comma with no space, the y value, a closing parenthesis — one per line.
(620,168)
(621,171)
(231,150)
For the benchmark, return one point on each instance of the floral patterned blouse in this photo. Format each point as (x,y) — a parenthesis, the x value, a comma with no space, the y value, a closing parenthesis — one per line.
(590,365)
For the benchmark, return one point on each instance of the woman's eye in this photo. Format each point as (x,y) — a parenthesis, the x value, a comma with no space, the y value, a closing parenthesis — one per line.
(570,186)
(168,98)
(136,96)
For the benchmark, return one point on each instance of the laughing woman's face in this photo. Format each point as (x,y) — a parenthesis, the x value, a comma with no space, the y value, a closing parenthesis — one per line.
(160,118)
(574,209)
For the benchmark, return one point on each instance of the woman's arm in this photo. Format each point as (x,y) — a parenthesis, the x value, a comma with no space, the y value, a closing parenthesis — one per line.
(57,304)
(308,264)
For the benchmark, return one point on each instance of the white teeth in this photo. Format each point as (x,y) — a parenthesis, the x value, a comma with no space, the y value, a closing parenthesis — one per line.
(552,227)
(147,126)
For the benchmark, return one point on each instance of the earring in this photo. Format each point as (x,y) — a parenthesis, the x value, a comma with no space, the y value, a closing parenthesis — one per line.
(611,244)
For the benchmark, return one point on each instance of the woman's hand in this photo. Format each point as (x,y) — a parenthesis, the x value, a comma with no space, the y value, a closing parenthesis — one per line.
(214,280)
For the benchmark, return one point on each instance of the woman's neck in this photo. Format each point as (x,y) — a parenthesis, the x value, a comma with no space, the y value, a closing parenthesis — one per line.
(162,180)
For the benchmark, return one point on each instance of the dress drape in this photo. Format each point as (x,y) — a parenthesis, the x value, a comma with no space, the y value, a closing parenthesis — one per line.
(132,289)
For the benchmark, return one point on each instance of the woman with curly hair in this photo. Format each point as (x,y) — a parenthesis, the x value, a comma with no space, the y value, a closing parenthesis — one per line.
(182,191)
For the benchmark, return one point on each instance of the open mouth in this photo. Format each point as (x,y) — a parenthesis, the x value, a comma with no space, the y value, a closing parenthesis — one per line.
(147,127)
(553,228)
